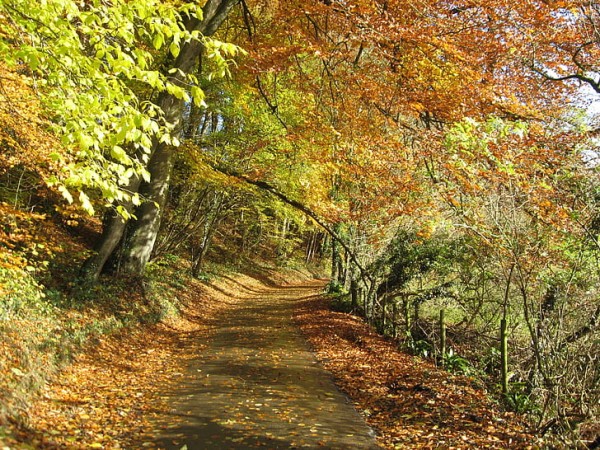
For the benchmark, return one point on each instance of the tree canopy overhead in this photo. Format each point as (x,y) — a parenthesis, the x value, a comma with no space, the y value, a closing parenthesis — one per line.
(351,85)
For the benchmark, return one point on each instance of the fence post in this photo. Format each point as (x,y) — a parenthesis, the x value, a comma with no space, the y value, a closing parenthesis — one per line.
(395,319)
(504,355)
(442,335)
(384,318)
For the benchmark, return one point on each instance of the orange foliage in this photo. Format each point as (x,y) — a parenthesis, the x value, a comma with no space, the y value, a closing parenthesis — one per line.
(384,80)
(25,136)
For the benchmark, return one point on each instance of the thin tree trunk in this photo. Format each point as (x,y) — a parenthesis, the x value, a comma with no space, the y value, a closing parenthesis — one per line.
(176,234)
(345,270)
(384,316)
(310,247)
(370,301)
(395,318)
(198,261)
(354,294)
(504,356)
(334,260)
(442,336)
(210,227)
(408,322)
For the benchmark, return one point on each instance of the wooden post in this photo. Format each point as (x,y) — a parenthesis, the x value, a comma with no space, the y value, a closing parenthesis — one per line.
(442,336)
(407,320)
(395,319)
(504,355)
(384,303)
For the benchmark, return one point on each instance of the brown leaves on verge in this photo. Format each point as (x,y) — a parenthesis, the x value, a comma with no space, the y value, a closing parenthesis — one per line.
(410,402)
(109,396)
(25,139)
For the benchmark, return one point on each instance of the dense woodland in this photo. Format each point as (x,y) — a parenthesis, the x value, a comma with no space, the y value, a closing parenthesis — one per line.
(437,157)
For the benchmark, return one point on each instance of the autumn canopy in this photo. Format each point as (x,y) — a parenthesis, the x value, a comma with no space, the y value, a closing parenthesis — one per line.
(432,154)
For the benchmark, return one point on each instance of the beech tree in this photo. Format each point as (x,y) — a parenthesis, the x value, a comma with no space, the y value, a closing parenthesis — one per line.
(137,245)
(96,65)
(86,62)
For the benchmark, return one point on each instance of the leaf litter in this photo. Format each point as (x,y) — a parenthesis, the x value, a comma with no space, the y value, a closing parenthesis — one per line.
(409,401)
(119,394)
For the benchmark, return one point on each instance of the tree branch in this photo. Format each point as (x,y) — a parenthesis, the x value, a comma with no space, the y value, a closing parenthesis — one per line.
(248,19)
(595,85)
(592,325)
(272,106)
(300,207)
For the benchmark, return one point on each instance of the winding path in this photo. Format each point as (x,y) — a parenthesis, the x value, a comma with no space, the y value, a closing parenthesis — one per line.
(257,384)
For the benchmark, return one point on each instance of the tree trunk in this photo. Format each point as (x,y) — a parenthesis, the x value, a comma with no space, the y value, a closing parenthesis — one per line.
(112,233)
(354,294)
(370,302)
(310,247)
(140,242)
(345,270)
(442,336)
(142,234)
(504,356)
(384,315)
(113,230)
(407,319)
(334,261)
(395,318)
(210,227)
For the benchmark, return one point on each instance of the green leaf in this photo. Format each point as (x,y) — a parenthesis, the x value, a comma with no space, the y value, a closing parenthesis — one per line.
(135,199)
(158,41)
(86,204)
(174,48)
(65,193)
(198,96)
(120,155)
